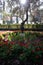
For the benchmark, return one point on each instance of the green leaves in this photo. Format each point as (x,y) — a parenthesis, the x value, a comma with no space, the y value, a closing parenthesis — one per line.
(3,51)
(16,48)
(22,57)
(21,52)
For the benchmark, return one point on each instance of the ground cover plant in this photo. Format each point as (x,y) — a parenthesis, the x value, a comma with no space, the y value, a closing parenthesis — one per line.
(21,49)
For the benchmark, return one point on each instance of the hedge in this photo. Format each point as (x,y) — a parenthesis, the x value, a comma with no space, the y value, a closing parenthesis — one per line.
(25,26)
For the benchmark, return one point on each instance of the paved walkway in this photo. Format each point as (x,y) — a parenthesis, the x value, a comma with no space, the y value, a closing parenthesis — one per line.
(3,32)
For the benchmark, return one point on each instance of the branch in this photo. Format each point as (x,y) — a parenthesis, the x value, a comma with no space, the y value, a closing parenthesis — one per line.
(25,19)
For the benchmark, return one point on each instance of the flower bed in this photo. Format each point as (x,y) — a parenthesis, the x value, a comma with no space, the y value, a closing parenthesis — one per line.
(17,48)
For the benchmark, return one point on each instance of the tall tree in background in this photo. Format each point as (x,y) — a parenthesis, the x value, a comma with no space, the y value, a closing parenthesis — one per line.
(3,11)
(27,7)
(10,5)
(35,6)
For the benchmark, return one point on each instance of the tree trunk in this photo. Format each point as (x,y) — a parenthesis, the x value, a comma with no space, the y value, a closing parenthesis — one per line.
(3,11)
(11,16)
(17,19)
(11,19)
(22,24)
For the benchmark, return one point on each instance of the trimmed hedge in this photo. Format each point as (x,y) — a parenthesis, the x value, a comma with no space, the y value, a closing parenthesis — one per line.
(25,26)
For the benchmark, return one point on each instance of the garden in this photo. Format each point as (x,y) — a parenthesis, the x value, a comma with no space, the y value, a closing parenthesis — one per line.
(23,45)
(21,48)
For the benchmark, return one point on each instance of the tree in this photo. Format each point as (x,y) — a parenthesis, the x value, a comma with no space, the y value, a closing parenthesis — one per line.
(20,10)
(3,11)
(35,5)
(10,5)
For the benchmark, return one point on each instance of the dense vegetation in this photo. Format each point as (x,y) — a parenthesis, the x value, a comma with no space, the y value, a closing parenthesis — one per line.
(18,26)
(21,49)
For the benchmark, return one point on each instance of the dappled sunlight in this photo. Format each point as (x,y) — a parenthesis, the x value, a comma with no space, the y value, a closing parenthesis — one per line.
(21,32)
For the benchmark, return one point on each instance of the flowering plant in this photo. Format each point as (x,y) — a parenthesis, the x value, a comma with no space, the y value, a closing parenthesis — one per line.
(15,48)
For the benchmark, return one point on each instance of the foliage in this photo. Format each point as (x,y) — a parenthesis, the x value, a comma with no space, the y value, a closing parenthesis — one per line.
(21,53)
(10,49)
(35,26)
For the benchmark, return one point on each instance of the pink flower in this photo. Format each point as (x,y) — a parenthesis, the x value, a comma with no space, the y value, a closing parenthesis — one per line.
(5,42)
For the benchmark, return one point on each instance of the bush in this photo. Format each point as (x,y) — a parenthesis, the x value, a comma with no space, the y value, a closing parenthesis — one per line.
(10,49)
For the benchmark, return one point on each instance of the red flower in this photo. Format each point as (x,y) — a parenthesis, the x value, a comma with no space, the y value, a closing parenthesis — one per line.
(21,44)
(37,41)
(42,49)
(37,49)
(12,42)
(0,44)
(26,45)
(33,51)
(5,42)
(36,56)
